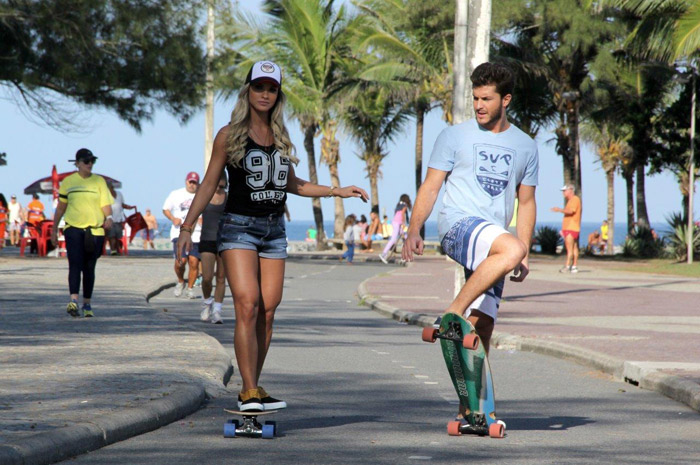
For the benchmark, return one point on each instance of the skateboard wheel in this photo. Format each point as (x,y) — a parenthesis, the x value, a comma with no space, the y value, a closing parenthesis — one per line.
(268,431)
(470,342)
(497,430)
(453,428)
(274,426)
(430,334)
(230,429)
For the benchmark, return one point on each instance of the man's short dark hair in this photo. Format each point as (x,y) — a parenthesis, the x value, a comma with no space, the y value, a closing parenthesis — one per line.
(494,74)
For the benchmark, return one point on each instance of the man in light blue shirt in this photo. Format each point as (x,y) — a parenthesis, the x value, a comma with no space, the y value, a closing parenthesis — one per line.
(486,164)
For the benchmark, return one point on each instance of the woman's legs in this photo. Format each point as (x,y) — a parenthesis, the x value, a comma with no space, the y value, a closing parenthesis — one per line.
(256,284)
(89,263)
(75,243)
(271,285)
(208,262)
(397,229)
(220,291)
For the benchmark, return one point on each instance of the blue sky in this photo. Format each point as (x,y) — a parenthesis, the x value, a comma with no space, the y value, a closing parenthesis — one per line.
(153,163)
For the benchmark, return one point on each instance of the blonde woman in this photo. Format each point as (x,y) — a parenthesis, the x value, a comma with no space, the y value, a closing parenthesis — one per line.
(259,157)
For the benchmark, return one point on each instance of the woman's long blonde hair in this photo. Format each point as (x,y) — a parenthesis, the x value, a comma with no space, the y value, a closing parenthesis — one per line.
(238,129)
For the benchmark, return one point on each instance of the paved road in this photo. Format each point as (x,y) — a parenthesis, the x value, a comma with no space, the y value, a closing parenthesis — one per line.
(365,389)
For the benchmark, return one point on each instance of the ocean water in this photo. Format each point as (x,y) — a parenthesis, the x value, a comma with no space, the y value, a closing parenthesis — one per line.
(296,229)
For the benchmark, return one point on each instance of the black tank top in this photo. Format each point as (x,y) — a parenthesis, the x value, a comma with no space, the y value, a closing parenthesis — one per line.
(258,186)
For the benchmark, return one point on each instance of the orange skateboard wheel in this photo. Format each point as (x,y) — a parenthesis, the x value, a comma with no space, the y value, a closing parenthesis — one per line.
(430,334)
(453,428)
(470,342)
(497,431)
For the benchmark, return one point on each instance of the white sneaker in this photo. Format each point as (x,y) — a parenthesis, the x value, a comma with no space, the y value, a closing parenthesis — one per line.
(206,310)
(177,292)
(190,293)
(574,269)
(383,258)
(216,317)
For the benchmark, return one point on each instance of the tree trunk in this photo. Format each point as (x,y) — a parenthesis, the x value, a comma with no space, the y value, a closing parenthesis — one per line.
(478,39)
(461,65)
(330,154)
(420,119)
(339,207)
(309,133)
(629,180)
(374,188)
(642,216)
(610,178)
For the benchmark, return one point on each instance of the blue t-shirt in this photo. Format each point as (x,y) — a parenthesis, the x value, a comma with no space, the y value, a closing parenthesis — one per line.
(484,170)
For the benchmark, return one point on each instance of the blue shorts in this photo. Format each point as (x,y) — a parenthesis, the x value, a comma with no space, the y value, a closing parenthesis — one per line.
(194,252)
(267,235)
(468,243)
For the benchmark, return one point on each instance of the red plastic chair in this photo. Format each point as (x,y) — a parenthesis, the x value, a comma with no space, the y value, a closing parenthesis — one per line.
(34,234)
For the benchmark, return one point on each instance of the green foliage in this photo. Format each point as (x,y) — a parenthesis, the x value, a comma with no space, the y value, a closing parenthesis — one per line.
(678,236)
(548,238)
(129,57)
(642,244)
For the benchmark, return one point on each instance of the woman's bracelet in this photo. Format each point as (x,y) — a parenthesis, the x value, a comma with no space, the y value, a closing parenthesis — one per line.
(185,228)
(330,193)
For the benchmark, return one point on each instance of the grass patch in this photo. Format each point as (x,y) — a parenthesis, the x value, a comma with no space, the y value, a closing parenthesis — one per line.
(664,266)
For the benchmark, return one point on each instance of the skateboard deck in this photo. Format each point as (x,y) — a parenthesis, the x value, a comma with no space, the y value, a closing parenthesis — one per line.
(250,427)
(470,372)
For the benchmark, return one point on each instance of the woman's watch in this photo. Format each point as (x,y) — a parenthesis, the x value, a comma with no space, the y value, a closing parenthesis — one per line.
(108,217)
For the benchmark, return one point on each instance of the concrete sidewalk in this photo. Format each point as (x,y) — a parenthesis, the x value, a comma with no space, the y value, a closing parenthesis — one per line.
(640,328)
(71,385)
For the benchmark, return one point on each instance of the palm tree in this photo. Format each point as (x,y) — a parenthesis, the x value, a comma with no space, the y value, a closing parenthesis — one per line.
(373,119)
(610,140)
(411,39)
(659,21)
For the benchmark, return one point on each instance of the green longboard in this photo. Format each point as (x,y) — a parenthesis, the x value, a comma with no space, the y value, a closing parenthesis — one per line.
(471,376)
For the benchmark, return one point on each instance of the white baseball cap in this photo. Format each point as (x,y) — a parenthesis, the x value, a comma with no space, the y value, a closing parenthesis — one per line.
(568,186)
(265,70)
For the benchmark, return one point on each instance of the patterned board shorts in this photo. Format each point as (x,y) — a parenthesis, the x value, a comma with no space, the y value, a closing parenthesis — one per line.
(468,243)
(265,234)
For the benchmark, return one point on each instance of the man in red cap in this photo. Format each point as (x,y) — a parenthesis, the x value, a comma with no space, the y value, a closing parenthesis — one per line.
(175,209)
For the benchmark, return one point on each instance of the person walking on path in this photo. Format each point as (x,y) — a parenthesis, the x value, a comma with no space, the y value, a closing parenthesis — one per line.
(3,220)
(175,208)
(485,163)
(15,219)
(86,202)
(116,232)
(212,263)
(400,219)
(349,238)
(373,229)
(604,230)
(570,227)
(259,157)
(152,225)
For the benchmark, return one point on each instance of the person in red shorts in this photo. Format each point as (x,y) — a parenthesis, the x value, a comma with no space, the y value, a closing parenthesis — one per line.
(570,227)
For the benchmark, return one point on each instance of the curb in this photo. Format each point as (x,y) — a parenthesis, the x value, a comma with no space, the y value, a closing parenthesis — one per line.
(674,387)
(63,443)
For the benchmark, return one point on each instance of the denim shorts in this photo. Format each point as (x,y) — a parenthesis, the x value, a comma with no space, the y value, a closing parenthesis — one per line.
(265,234)
(193,252)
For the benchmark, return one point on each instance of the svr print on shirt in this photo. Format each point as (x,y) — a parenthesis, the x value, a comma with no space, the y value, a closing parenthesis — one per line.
(494,167)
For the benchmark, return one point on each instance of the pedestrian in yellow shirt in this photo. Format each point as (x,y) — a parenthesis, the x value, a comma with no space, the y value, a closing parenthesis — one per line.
(86,202)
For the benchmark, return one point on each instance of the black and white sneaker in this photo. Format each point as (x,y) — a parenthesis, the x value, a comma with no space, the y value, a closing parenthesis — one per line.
(252,402)
(270,403)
